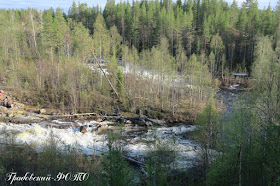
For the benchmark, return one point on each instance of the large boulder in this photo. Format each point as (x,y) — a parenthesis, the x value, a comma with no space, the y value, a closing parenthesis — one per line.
(9,105)
(101,129)
(83,129)
(43,111)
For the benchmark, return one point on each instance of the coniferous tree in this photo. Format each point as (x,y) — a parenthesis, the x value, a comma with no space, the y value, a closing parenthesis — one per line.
(48,33)
(58,30)
(101,39)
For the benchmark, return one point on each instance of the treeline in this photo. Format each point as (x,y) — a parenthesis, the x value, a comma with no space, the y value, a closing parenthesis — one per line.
(44,53)
(45,56)
(42,59)
(225,33)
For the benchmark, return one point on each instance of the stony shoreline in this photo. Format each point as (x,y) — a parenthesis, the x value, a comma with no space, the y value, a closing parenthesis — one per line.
(12,110)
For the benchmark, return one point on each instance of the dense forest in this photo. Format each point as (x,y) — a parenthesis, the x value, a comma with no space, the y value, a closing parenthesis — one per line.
(45,58)
(44,52)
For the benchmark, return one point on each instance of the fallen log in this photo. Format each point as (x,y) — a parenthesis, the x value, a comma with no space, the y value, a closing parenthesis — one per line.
(156,121)
(144,120)
(134,161)
(138,163)
(139,120)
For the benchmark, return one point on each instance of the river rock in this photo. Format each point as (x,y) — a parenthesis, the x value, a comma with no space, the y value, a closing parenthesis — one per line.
(37,111)
(129,125)
(9,115)
(83,129)
(9,105)
(149,124)
(101,128)
(42,111)
(98,119)
(3,110)
(142,122)
(19,105)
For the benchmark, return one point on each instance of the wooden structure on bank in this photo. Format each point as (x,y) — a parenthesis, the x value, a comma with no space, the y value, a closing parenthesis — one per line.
(236,78)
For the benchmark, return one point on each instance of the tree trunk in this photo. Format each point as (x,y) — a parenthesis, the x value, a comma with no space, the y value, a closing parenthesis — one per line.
(33,30)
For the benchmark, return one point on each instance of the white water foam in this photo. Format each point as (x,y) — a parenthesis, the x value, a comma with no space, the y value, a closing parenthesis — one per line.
(91,143)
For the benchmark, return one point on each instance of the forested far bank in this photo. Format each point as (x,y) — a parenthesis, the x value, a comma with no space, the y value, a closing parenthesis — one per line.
(227,31)
(184,46)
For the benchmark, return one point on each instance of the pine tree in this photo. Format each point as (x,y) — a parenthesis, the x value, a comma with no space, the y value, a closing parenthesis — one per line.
(206,34)
(73,11)
(207,135)
(212,62)
(189,27)
(217,47)
(101,38)
(81,41)
(48,33)
(58,30)
(277,33)
(115,40)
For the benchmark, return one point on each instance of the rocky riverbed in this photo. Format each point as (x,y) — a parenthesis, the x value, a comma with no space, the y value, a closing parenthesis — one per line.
(15,111)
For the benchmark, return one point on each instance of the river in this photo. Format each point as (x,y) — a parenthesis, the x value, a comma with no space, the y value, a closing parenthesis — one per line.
(135,141)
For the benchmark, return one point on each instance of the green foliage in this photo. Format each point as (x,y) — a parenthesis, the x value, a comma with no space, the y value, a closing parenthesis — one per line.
(157,164)
(116,169)
(81,41)
(162,31)
(250,134)
(241,157)
(221,173)
(115,40)
(50,161)
(47,52)
(101,38)
(120,82)
(58,29)
(2,68)
(26,85)
(47,31)
(208,121)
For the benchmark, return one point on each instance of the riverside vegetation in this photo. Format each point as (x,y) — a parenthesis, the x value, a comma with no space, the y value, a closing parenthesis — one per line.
(44,58)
